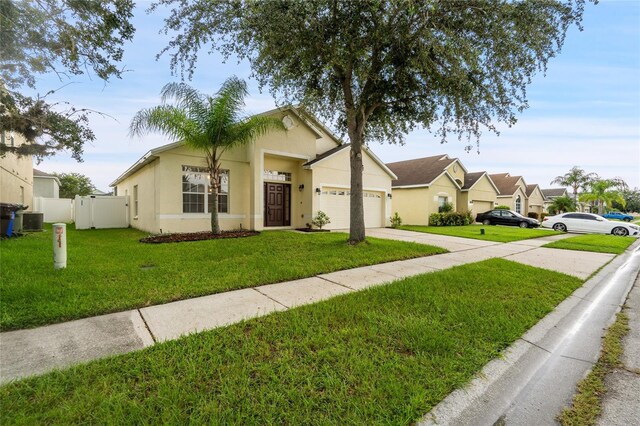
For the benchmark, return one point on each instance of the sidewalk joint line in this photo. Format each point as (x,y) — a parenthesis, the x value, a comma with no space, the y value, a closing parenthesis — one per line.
(147,326)
(271,298)
(578,359)
(537,346)
(333,282)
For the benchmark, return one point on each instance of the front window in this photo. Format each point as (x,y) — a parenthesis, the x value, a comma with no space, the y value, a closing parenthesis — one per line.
(135,200)
(196,191)
(277,176)
(518,205)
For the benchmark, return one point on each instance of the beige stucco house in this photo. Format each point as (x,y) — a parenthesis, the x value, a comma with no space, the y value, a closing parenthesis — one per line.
(478,194)
(535,199)
(513,191)
(550,194)
(424,185)
(16,173)
(278,182)
(45,185)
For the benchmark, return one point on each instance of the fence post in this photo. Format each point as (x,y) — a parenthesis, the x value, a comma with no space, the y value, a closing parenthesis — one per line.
(59,245)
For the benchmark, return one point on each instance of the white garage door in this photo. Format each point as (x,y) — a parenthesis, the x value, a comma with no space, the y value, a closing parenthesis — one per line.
(335,203)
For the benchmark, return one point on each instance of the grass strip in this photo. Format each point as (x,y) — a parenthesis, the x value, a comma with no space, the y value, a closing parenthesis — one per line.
(595,243)
(502,234)
(386,355)
(587,403)
(108,270)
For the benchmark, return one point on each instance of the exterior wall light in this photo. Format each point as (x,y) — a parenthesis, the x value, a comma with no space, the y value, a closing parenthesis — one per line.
(389,195)
(300,187)
(318,191)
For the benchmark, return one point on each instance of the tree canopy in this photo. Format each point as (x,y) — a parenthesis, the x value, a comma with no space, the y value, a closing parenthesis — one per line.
(377,69)
(65,37)
(577,179)
(72,184)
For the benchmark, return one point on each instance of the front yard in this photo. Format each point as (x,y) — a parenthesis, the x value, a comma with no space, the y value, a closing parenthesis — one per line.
(109,270)
(596,243)
(386,355)
(502,234)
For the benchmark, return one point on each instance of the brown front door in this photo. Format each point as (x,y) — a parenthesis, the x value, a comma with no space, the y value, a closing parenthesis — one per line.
(277,204)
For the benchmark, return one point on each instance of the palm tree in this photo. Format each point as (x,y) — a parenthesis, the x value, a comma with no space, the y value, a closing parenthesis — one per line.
(604,191)
(212,124)
(562,205)
(576,178)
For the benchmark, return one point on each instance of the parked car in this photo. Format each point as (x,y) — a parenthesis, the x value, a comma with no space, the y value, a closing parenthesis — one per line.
(619,216)
(589,223)
(506,217)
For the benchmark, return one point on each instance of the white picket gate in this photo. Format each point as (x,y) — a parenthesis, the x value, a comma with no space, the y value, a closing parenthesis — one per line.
(101,212)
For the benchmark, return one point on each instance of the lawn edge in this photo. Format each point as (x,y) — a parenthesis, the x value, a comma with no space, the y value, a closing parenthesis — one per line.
(453,407)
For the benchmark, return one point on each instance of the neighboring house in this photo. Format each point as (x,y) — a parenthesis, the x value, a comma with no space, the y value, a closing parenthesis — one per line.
(98,193)
(478,194)
(45,185)
(16,174)
(424,185)
(513,192)
(551,194)
(281,180)
(535,199)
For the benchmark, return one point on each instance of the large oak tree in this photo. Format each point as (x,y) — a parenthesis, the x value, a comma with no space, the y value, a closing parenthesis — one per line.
(378,68)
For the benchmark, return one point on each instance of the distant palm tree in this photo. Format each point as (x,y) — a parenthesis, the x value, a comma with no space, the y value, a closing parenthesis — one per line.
(562,205)
(604,191)
(212,124)
(576,178)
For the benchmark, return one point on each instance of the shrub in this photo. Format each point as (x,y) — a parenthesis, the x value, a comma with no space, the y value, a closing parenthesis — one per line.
(450,219)
(543,215)
(445,208)
(502,207)
(320,220)
(532,215)
(396,220)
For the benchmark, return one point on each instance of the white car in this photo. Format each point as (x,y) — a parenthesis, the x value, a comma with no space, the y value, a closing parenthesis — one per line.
(589,223)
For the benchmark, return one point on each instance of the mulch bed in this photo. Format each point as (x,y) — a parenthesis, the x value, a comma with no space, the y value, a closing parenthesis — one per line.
(311,230)
(196,236)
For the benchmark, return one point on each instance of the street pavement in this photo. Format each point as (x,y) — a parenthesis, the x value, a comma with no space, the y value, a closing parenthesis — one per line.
(36,351)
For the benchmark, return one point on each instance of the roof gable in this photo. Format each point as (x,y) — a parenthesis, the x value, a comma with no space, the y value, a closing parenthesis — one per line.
(336,150)
(420,171)
(554,192)
(471,179)
(506,184)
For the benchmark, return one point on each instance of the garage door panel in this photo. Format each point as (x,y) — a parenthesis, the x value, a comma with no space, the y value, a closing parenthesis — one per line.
(335,203)
(481,206)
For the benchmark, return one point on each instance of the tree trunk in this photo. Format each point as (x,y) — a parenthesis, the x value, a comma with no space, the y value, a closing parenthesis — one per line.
(356,218)
(214,176)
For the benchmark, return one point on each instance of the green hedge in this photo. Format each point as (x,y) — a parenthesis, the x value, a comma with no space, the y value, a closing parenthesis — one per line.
(450,219)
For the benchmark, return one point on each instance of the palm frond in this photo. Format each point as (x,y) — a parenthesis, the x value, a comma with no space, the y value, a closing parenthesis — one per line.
(165,119)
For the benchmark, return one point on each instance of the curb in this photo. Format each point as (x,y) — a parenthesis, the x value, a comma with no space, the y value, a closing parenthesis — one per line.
(494,393)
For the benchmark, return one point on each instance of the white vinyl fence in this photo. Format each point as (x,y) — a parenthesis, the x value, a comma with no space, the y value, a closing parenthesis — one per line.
(101,212)
(54,209)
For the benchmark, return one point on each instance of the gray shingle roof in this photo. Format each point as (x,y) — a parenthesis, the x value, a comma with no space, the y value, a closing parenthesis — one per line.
(554,192)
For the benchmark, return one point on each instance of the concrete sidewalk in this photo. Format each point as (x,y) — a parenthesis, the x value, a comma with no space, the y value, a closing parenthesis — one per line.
(36,351)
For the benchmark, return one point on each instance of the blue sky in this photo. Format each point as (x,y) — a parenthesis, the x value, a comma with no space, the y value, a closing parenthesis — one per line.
(584,112)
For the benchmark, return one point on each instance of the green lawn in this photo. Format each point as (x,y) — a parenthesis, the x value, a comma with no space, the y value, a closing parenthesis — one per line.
(597,243)
(109,270)
(503,234)
(386,355)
